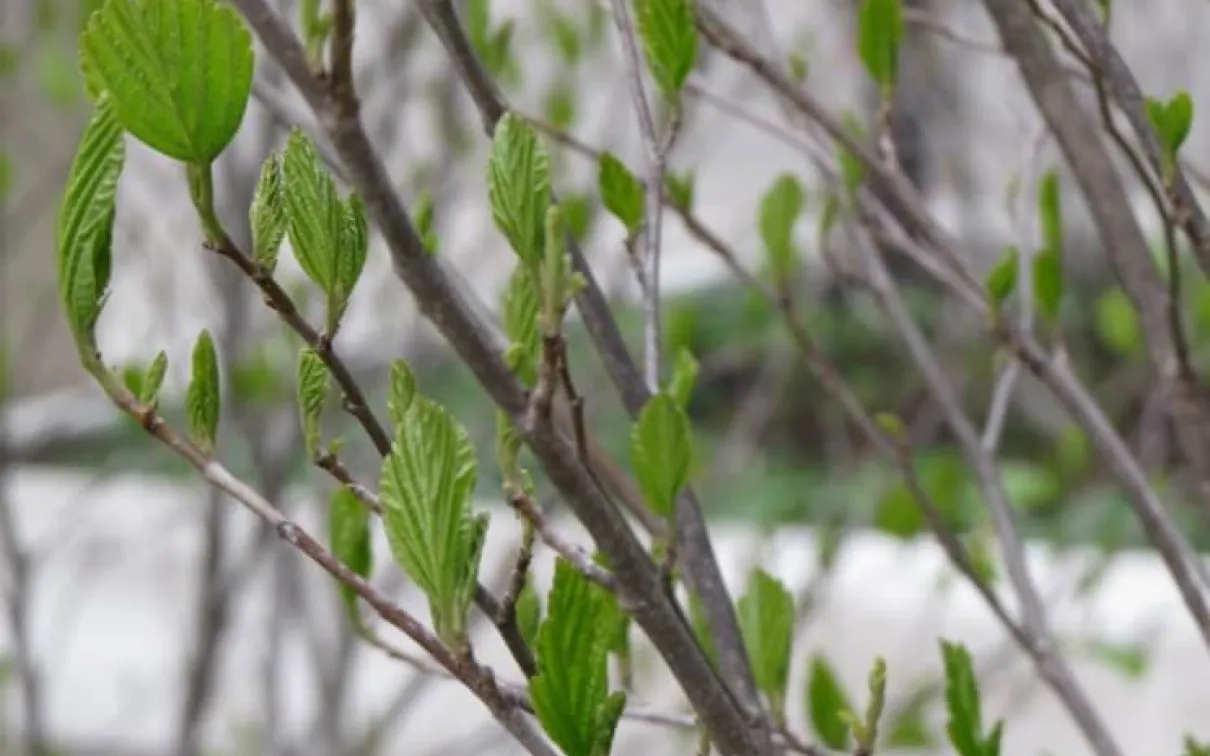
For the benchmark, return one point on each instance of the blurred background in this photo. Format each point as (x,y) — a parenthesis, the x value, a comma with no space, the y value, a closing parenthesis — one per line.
(145,614)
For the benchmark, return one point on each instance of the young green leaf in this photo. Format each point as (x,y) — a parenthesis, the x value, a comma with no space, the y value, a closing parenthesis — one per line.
(826,699)
(268,214)
(780,209)
(1130,659)
(1050,209)
(316,218)
(529,613)
(518,180)
(153,379)
(621,191)
(84,231)
(766,618)
(1171,121)
(965,716)
(202,399)
(312,391)
(669,34)
(1048,283)
(570,693)
(684,377)
(427,485)
(1001,280)
(661,450)
(521,324)
(1195,748)
(350,258)
(1118,323)
(403,393)
(179,72)
(852,170)
(880,29)
(349,539)
(680,189)
(423,216)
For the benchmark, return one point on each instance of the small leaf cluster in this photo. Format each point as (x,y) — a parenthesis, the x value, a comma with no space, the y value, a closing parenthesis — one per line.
(1172,121)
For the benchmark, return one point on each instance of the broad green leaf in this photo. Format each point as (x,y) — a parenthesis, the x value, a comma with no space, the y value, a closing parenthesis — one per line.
(312,391)
(766,618)
(880,29)
(680,189)
(315,215)
(518,180)
(570,693)
(1050,210)
(84,231)
(1049,283)
(1130,659)
(202,399)
(780,209)
(1118,323)
(621,191)
(1001,280)
(179,72)
(661,450)
(403,393)
(685,372)
(669,35)
(153,379)
(964,723)
(268,214)
(521,324)
(826,699)
(427,485)
(349,539)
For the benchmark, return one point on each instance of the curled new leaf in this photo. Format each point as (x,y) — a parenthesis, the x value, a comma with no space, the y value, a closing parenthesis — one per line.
(521,324)
(661,450)
(766,618)
(1171,121)
(680,189)
(669,35)
(349,539)
(268,214)
(780,209)
(315,216)
(153,379)
(202,400)
(621,191)
(312,390)
(518,181)
(684,377)
(84,232)
(179,72)
(350,257)
(403,391)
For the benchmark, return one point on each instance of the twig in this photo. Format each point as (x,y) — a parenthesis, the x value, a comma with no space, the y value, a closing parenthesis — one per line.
(576,556)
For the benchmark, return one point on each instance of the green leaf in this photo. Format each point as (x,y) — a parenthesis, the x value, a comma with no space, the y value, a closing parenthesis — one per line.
(621,192)
(1172,121)
(427,485)
(898,513)
(423,216)
(312,391)
(680,189)
(684,377)
(852,170)
(1048,284)
(1001,280)
(965,718)
(403,393)
(268,214)
(766,618)
(521,324)
(6,175)
(1118,323)
(518,180)
(529,613)
(153,379)
(84,231)
(579,211)
(202,399)
(1195,748)
(349,539)
(350,258)
(179,72)
(661,450)
(797,64)
(559,106)
(880,29)
(1050,210)
(1130,659)
(826,700)
(780,209)
(669,36)
(315,216)
(570,693)
(910,730)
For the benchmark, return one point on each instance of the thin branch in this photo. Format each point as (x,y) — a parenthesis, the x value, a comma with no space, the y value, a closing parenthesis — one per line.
(574,555)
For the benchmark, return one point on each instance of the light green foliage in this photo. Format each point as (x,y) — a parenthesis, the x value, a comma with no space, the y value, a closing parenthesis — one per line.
(780,208)
(518,180)
(852,170)
(621,192)
(964,723)
(153,379)
(685,372)
(661,450)
(1171,121)
(84,232)
(766,618)
(669,37)
(680,189)
(428,481)
(1118,323)
(329,236)
(402,393)
(268,214)
(1048,264)
(559,106)
(203,399)
(312,391)
(179,72)
(521,324)
(1001,280)
(555,292)
(529,613)
(350,542)
(492,44)
(1194,747)
(1130,659)
(826,701)
(880,29)
(423,217)
(571,690)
